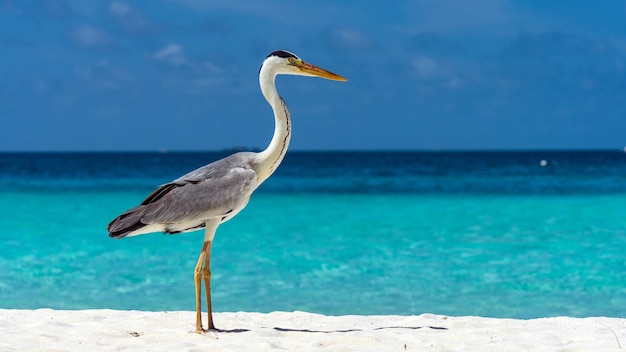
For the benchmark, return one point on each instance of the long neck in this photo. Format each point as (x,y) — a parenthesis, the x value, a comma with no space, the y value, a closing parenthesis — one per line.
(269,159)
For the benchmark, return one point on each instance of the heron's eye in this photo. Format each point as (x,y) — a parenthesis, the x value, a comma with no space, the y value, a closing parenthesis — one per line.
(292,61)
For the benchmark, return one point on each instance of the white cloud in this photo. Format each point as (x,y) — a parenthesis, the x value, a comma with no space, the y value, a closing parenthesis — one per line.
(104,74)
(91,38)
(282,12)
(350,38)
(172,53)
(462,15)
(427,68)
(119,9)
(131,20)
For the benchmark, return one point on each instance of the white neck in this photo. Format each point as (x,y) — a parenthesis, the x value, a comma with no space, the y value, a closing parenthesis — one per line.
(269,159)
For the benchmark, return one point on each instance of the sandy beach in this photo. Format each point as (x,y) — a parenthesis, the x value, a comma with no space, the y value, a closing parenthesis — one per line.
(111,330)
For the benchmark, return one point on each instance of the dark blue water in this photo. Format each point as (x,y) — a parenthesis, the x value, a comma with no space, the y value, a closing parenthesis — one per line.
(537,172)
(502,234)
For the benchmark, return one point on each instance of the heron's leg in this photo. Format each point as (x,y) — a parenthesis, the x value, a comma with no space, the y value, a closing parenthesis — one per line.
(207,282)
(197,276)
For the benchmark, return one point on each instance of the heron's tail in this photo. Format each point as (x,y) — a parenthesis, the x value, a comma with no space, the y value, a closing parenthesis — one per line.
(127,224)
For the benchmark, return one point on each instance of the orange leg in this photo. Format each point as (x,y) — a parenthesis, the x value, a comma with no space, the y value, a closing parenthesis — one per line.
(197,276)
(207,282)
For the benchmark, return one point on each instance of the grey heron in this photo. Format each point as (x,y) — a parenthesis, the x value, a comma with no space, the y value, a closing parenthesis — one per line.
(215,193)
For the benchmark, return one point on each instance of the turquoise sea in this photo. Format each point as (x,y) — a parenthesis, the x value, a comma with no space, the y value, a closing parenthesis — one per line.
(496,234)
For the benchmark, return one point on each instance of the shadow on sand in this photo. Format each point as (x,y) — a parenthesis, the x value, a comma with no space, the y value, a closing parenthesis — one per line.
(353,330)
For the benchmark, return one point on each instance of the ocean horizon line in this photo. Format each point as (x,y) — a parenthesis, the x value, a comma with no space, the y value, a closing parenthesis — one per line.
(323,151)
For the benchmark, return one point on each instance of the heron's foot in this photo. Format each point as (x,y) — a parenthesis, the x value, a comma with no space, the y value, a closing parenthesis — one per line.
(209,332)
(201,330)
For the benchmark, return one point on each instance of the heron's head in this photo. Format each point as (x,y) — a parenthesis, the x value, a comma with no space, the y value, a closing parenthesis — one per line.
(284,62)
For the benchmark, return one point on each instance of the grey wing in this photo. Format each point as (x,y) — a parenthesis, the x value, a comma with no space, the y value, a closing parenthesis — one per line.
(208,195)
(220,189)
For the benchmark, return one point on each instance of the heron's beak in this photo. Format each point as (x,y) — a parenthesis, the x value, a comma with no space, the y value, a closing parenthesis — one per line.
(318,71)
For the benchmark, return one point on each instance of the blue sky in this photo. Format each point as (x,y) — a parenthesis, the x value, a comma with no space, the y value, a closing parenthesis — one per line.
(423,74)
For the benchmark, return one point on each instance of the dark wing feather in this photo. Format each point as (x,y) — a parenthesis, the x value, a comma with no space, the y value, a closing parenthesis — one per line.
(159,193)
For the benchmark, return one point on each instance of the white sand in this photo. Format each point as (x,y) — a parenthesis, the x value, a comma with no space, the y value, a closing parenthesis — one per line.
(110,330)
